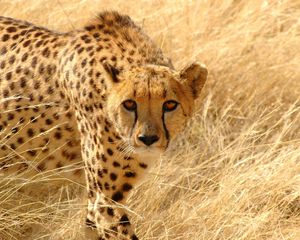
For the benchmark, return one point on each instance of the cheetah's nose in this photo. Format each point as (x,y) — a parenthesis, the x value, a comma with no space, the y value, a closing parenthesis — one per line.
(148,140)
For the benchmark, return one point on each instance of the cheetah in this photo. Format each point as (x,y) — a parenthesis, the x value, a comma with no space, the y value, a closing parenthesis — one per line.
(102,101)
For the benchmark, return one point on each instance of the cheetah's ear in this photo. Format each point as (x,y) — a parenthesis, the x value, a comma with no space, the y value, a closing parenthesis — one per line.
(194,75)
(112,72)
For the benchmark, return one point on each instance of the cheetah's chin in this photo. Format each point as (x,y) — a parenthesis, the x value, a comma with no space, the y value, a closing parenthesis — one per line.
(148,152)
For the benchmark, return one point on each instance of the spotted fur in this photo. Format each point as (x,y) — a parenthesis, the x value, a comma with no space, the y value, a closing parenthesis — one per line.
(103,97)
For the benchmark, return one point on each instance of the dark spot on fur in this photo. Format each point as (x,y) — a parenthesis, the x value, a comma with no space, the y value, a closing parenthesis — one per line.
(30,132)
(11,29)
(116,164)
(110,152)
(26,43)
(143,165)
(90,28)
(110,211)
(126,187)
(113,176)
(58,135)
(130,174)
(5,37)
(124,221)
(134,237)
(117,196)
(49,121)
(106,186)
(32,153)
(89,223)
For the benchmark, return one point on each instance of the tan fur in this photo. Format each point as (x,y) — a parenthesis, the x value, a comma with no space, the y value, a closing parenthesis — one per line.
(151,86)
(60,89)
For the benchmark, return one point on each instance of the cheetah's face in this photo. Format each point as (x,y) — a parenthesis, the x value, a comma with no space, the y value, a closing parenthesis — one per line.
(150,105)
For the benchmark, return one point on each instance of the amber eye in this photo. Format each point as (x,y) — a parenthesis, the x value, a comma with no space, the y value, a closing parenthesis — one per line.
(129,105)
(170,106)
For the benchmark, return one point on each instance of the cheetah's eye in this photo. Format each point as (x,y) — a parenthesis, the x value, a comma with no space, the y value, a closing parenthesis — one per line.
(129,105)
(170,105)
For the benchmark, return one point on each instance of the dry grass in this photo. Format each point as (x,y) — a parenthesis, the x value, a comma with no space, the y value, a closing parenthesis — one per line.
(236,174)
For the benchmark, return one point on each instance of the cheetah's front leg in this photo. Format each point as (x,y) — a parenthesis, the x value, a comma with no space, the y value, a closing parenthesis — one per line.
(108,221)
(110,176)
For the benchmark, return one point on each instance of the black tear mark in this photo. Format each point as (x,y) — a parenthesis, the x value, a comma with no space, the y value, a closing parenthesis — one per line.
(165,129)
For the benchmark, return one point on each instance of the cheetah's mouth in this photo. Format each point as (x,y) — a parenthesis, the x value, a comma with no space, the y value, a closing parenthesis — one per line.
(147,152)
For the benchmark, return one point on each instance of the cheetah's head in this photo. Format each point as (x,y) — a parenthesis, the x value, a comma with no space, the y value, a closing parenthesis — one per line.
(150,105)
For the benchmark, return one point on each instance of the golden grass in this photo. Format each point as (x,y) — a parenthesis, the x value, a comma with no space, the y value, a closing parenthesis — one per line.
(236,174)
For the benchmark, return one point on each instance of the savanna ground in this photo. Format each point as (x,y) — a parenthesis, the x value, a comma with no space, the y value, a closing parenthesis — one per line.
(235,173)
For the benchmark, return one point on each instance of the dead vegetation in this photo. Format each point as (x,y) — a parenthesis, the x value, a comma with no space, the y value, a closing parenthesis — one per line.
(236,174)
